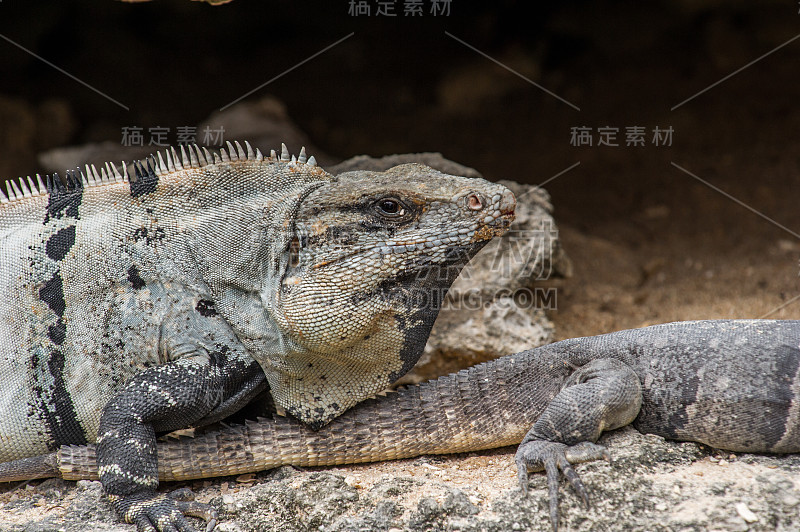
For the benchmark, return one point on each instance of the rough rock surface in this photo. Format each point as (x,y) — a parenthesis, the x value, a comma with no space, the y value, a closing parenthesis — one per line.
(265,123)
(379,164)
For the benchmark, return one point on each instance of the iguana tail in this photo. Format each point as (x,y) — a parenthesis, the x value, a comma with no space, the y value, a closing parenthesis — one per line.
(44,466)
(456,413)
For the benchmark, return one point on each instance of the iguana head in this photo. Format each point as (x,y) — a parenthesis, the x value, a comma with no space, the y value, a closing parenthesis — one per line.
(370,261)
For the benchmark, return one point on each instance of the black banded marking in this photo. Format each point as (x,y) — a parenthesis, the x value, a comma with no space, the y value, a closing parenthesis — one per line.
(54,403)
(421,300)
(59,244)
(52,293)
(64,425)
(137,283)
(206,308)
(422,288)
(677,420)
(779,387)
(65,199)
(58,332)
(146,179)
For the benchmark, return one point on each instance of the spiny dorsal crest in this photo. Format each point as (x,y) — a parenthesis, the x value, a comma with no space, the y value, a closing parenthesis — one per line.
(146,172)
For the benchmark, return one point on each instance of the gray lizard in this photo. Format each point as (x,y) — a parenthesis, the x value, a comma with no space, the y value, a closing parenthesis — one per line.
(135,306)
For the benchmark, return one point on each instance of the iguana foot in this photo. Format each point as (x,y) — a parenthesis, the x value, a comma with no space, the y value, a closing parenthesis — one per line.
(550,456)
(153,511)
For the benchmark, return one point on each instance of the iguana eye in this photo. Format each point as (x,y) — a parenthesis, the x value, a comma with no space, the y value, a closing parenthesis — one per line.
(390,207)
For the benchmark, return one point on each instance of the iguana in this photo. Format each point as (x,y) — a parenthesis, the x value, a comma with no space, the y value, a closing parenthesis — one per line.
(170,298)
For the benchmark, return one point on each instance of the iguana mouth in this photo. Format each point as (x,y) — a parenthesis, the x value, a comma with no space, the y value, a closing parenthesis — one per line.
(503,221)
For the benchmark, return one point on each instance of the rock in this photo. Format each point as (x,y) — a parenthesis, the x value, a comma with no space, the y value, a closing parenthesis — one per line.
(96,153)
(746,513)
(379,164)
(266,124)
(458,504)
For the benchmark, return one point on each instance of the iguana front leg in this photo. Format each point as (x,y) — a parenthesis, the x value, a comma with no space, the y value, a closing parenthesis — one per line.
(605,394)
(207,383)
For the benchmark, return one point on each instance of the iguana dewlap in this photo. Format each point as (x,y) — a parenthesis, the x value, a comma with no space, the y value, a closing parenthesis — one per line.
(135,306)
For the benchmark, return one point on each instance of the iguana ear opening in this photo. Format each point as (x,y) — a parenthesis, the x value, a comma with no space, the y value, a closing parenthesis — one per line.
(294,253)
(293,266)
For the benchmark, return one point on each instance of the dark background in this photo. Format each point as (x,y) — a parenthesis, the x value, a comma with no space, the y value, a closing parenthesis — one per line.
(650,242)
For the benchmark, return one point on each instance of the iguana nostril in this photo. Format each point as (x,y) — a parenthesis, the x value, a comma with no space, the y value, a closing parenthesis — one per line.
(508,203)
(474,202)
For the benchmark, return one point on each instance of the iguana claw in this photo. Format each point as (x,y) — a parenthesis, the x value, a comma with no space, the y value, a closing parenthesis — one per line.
(550,456)
(201,511)
(162,513)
